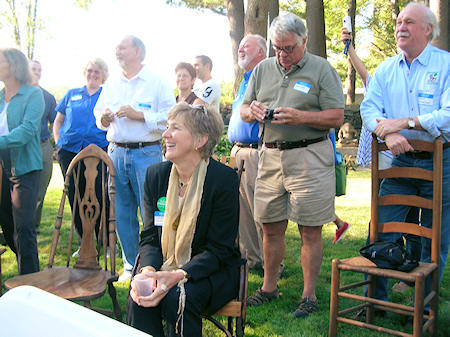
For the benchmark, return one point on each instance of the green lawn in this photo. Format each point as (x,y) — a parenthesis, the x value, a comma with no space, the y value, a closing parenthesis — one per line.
(275,319)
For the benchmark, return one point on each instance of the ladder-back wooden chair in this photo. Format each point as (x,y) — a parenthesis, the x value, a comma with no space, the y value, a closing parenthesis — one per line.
(84,280)
(235,311)
(421,322)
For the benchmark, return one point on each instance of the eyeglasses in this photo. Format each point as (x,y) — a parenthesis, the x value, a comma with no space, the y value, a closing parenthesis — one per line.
(201,108)
(287,49)
(90,71)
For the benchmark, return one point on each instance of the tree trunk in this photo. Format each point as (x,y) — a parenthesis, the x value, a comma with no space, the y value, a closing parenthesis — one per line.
(351,73)
(256,17)
(14,21)
(31,27)
(235,14)
(440,8)
(315,21)
(274,11)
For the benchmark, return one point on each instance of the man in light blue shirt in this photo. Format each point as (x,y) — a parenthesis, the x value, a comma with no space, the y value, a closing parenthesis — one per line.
(413,90)
(244,136)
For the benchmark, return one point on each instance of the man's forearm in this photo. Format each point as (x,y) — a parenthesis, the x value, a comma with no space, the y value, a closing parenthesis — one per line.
(246,114)
(325,119)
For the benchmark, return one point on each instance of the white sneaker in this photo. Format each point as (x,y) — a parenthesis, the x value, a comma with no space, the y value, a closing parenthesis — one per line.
(125,276)
(76,253)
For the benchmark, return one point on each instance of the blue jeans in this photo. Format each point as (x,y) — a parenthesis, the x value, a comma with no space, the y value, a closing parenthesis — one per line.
(398,212)
(131,167)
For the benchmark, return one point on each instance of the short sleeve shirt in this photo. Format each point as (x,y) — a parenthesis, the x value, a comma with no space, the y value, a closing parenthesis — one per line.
(310,85)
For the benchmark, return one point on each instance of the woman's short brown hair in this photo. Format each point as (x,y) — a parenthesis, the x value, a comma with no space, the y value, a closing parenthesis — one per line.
(189,68)
(200,121)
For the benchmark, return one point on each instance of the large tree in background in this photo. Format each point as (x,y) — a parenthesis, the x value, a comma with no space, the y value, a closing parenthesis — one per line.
(24,15)
(315,21)
(440,8)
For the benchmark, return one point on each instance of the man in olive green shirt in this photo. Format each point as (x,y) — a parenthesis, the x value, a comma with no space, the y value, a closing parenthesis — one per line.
(296,178)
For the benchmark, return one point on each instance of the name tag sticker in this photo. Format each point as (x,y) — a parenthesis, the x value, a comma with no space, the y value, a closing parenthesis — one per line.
(425,99)
(302,87)
(76,97)
(159,218)
(144,105)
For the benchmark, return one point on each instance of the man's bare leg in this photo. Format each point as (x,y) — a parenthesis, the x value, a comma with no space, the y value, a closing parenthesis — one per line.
(311,258)
(274,247)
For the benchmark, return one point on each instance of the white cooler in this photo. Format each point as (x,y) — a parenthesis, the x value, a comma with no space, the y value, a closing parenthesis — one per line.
(31,312)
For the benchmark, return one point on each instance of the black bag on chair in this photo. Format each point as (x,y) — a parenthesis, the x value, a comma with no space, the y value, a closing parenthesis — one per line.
(388,255)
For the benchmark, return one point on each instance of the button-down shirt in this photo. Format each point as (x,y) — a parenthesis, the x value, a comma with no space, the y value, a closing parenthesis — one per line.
(238,130)
(24,114)
(79,129)
(147,93)
(420,89)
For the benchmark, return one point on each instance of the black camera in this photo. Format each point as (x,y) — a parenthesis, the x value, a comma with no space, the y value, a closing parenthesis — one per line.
(268,115)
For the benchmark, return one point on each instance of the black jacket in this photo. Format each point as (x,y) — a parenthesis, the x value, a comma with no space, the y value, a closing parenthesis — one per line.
(214,252)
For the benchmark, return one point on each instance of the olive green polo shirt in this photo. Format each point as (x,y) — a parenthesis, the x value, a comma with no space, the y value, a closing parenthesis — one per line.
(310,85)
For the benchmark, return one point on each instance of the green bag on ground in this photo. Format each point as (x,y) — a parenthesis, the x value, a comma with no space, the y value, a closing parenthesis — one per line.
(341,175)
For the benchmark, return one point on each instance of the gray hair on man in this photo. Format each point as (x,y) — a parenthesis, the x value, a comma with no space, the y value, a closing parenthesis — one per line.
(262,43)
(430,18)
(137,43)
(288,23)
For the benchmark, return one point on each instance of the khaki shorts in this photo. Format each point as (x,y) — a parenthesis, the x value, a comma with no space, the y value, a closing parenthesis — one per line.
(297,184)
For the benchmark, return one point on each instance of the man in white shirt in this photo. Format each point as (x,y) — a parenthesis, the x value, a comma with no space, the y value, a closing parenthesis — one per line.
(209,90)
(133,109)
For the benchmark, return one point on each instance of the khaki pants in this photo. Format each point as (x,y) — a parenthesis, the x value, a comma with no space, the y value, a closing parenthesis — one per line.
(250,231)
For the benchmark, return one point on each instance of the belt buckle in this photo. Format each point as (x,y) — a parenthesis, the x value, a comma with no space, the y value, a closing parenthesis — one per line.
(280,145)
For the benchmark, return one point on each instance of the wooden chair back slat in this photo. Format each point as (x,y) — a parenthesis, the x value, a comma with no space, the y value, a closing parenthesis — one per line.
(404,227)
(417,144)
(406,172)
(410,200)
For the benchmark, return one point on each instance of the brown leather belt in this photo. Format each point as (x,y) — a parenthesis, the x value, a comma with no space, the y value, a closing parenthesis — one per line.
(419,155)
(294,145)
(243,145)
(136,145)
(424,154)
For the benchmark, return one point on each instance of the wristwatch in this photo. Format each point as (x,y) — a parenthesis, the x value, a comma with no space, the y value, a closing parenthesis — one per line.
(411,124)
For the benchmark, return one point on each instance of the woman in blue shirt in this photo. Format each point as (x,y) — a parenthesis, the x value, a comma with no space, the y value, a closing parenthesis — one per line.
(21,109)
(74,127)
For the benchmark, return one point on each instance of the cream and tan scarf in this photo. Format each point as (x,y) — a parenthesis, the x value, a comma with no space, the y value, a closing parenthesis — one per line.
(181,218)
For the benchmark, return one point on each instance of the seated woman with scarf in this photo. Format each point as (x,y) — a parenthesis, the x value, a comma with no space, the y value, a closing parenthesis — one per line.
(187,247)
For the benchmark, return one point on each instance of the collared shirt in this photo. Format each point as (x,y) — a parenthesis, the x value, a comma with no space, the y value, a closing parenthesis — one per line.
(209,92)
(24,114)
(238,130)
(49,114)
(310,85)
(147,93)
(79,129)
(421,89)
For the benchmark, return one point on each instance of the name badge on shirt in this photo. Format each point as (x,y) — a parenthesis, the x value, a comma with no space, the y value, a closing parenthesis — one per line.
(425,99)
(159,218)
(144,105)
(302,87)
(76,97)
